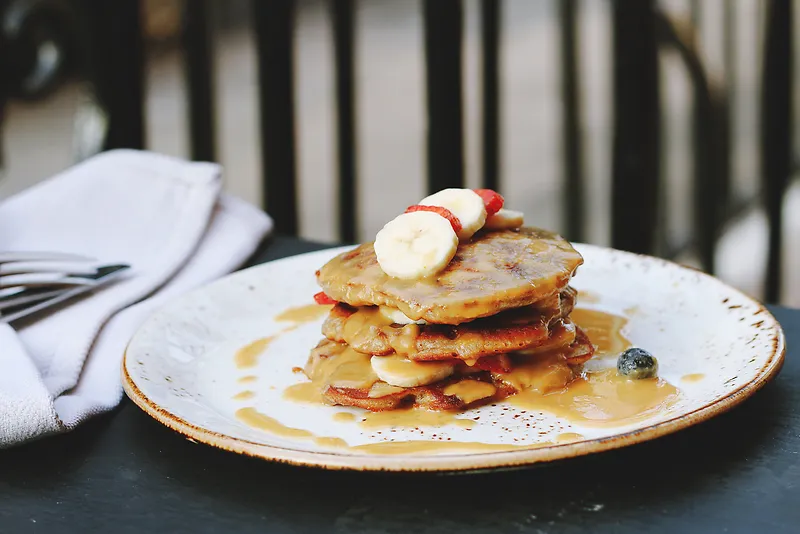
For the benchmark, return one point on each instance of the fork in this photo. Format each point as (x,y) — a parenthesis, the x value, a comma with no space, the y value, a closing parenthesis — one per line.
(33,281)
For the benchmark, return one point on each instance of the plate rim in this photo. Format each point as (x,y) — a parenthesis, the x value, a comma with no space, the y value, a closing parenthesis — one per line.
(458,462)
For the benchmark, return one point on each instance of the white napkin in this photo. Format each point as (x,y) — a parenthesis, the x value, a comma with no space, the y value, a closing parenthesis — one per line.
(166,218)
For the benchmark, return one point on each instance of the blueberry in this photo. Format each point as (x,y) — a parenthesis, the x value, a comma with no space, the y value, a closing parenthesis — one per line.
(637,363)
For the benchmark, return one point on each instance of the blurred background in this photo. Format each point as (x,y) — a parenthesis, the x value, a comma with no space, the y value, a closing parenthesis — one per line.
(663,127)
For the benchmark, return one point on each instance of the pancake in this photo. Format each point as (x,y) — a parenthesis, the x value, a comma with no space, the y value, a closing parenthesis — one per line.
(367,330)
(494,272)
(345,377)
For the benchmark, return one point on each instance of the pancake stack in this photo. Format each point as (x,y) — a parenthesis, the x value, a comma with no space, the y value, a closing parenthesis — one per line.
(493,323)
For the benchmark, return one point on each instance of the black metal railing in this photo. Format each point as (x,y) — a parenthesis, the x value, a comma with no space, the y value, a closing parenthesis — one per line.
(637,127)
(444,30)
(573,190)
(776,131)
(199,74)
(344,52)
(274,29)
(4,89)
(113,62)
(491,13)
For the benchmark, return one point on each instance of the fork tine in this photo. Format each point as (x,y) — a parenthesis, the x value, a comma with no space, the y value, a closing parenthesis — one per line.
(106,275)
(43,279)
(45,266)
(12,285)
(33,255)
(28,296)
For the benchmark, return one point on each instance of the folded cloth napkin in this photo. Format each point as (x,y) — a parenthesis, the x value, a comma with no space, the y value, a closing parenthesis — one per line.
(165,217)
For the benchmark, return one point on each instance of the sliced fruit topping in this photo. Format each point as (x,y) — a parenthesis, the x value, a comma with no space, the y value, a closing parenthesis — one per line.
(401,372)
(322,298)
(444,212)
(505,220)
(398,317)
(492,200)
(415,245)
(465,204)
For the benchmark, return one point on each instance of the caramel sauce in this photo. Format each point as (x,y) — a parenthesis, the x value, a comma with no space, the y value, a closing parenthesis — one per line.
(425,447)
(599,399)
(602,399)
(247,379)
(405,341)
(470,391)
(588,297)
(304,392)
(248,355)
(253,418)
(413,418)
(632,310)
(333,443)
(366,323)
(346,369)
(562,333)
(304,314)
(244,395)
(567,437)
(694,377)
(546,383)
(382,389)
(541,374)
(344,417)
(604,329)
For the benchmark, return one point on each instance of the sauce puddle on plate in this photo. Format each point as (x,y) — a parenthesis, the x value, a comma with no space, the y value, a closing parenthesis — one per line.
(423,447)
(306,392)
(344,417)
(604,330)
(247,356)
(255,419)
(693,377)
(602,399)
(595,399)
(303,314)
(413,418)
(569,437)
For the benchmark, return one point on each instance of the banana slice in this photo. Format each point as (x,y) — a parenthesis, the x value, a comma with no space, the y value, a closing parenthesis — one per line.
(505,220)
(465,204)
(398,371)
(415,245)
(398,317)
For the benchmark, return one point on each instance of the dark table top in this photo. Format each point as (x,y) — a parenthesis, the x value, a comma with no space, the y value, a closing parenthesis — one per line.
(124,472)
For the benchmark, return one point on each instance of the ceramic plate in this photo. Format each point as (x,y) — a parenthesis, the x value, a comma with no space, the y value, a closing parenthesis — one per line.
(715,346)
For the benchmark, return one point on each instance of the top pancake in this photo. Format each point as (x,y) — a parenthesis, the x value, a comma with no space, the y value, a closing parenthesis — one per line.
(494,271)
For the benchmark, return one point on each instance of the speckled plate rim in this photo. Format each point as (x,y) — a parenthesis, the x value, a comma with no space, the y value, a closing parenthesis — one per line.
(477,461)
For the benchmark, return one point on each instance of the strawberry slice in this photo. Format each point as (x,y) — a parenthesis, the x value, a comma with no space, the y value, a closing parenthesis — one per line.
(322,298)
(444,212)
(492,200)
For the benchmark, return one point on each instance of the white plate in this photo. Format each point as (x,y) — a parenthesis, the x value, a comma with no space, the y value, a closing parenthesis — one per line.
(180,368)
